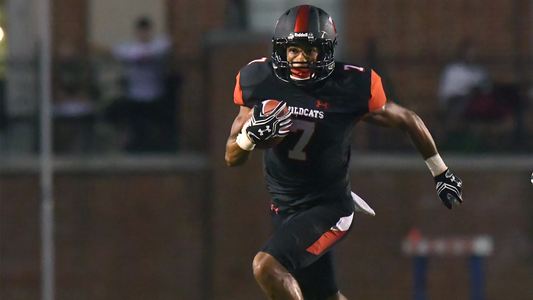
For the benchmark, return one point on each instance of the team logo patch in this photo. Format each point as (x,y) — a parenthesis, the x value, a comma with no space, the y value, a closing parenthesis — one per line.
(322,104)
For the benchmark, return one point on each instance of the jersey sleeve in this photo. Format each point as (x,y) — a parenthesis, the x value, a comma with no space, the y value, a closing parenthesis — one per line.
(377,98)
(247,81)
(237,92)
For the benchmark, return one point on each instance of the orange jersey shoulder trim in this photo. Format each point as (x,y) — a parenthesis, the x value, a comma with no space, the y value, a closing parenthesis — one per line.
(237,93)
(378,98)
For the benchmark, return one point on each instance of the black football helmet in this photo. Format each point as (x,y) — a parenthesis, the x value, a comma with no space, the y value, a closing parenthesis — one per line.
(304,24)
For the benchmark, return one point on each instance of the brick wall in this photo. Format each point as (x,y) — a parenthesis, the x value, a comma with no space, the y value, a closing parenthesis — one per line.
(144,235)
(414,40)
(135,235)
(173,235)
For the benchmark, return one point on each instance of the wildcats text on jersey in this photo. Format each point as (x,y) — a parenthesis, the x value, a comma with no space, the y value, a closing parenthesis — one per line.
(307,112)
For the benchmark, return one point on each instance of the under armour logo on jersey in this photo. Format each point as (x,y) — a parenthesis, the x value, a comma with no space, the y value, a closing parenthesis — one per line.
(267,129)
(323,104)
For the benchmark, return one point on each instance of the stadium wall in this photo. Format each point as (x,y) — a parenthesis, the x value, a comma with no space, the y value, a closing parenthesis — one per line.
(190,231)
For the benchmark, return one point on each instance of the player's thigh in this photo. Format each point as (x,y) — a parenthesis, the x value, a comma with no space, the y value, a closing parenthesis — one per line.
(301,239)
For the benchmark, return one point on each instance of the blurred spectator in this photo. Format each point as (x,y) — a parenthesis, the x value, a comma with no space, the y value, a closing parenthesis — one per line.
(73,109)
(480,114)
(148,108)
(74,118)
(461,80)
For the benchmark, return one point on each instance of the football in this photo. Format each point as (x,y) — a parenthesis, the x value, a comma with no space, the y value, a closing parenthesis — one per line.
(267,107)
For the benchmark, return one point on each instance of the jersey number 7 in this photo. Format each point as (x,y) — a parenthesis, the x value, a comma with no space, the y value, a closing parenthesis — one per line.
(307,128)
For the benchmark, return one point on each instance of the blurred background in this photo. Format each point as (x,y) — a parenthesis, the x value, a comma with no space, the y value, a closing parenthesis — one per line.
(144,206)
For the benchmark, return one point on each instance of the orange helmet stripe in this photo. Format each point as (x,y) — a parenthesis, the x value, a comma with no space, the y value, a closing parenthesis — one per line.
(302,19)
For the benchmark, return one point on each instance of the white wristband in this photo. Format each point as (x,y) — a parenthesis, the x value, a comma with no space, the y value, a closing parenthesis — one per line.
(242,138)
(244,142)
(436,165)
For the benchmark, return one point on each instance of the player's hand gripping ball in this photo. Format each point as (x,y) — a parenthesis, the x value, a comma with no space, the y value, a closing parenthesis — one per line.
(268,123)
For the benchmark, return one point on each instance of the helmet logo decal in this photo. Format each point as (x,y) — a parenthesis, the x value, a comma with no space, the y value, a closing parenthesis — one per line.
(309,35)
(301,34)
(302,19)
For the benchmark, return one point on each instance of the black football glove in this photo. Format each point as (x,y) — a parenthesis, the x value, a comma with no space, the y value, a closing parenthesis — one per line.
(449,188)
(263,127)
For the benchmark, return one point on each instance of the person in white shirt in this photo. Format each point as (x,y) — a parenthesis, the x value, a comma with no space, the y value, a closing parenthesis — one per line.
(461,81)
(461,78)
(146,108)
(145,63)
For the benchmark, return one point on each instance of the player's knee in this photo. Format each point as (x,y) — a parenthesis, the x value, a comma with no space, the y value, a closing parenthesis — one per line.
(264,266)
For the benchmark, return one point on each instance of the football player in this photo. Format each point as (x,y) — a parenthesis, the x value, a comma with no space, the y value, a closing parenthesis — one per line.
(312,204)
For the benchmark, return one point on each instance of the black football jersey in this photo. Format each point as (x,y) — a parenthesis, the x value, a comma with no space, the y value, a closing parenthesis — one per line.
(311,164)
